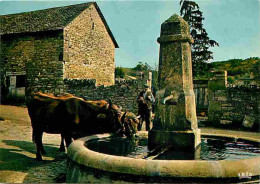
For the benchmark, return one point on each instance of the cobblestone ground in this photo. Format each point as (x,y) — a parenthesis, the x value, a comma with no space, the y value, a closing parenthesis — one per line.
(17,151)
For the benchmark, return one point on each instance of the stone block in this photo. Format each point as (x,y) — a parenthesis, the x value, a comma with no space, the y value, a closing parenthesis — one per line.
(222,98)
(210,95)
(227,109)
(248,121)
(214,106)
(227,114)
(225,104)
(217,85)
(181,140)
(225,122)
(221,93)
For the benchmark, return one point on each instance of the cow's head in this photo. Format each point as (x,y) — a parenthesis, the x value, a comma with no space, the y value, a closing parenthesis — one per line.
(130,123)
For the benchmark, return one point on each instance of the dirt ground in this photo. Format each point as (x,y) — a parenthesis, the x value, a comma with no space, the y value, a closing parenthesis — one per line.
(17,151)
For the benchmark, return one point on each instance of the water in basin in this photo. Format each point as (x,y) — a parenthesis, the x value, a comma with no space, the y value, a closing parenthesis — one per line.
(212,148)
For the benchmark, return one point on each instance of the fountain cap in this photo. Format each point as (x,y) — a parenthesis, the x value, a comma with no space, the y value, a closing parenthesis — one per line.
(174,18)
(175,29)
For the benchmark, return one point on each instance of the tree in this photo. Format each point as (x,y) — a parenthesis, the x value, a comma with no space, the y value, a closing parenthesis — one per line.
(142,66)
(199,49)
(256,70)
(119,72)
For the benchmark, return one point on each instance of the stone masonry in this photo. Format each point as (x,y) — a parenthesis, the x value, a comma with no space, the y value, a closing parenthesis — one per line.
(88,49)
(124,93)
(237,106)
(37,56)
(40,49)
(175,120)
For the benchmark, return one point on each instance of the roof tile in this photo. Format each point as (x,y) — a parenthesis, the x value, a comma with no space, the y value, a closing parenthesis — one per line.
(40,20)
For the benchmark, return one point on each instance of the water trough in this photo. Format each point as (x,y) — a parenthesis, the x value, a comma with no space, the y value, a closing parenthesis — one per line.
(86,165)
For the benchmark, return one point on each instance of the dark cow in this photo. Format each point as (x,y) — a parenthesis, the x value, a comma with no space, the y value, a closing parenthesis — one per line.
(71,117)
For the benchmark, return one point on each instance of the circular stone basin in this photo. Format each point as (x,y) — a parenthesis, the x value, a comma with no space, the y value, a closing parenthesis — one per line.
(212,148)
(241,161)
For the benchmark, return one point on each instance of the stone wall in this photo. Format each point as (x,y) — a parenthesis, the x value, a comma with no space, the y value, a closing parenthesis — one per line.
(89,49)
(124,93)
(37,56)
(233,106)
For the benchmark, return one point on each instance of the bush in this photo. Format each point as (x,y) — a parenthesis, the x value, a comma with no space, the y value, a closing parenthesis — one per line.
(119,72)
(256,70)
(230,80)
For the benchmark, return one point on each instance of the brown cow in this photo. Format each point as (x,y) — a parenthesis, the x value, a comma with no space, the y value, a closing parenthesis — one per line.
(130,123)
(67,115)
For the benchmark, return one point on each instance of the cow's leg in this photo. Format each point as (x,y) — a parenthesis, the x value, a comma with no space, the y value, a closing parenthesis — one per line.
(68,140)
(41,145)
(38,141)
(62,147)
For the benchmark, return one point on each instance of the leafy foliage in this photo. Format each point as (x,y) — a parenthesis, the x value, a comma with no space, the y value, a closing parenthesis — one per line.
(119,72)
(256,69)
(200,53)
(239,67)
(230,79)
(142,67)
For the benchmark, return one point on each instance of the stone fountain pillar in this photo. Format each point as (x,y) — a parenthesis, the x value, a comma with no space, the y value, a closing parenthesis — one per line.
(175,120)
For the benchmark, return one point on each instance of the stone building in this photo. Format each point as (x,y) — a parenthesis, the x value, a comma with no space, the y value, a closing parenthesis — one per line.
(40,49)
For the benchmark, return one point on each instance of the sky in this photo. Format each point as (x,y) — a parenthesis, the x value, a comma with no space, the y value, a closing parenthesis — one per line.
(135,24)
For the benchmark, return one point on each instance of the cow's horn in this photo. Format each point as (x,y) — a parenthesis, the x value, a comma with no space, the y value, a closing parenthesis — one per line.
(138,117)
(120,107)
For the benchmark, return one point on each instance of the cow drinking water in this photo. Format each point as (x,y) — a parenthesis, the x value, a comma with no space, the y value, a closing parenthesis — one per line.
(70,116)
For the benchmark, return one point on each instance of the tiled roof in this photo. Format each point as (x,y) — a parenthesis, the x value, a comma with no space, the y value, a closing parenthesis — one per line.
(46,20)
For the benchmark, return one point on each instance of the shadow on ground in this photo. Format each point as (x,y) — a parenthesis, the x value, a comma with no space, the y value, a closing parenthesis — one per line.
(14,160)
(22,158)
(18,160)
(50,149)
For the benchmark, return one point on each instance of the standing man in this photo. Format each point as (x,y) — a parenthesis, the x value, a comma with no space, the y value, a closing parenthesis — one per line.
(145,100)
